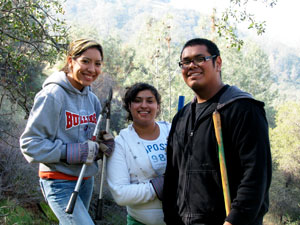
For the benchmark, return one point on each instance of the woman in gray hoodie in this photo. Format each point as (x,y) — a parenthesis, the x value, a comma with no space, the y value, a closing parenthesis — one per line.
(59,129)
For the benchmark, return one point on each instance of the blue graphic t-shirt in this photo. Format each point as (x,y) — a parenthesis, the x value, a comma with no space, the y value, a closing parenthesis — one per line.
(156,150)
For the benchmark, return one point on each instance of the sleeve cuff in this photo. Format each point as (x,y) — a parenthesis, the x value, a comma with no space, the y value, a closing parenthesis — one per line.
(237,217)
(63,154)
(152,190)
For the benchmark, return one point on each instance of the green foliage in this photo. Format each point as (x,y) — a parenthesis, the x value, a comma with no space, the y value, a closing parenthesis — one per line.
(48,211)
(118,59)
(284,63)
(31,34)
(238,13)
(284,199)
(142,42)
(30,37)
(285,145)
(11,213)
(157,63)
(285,139)
(249,69)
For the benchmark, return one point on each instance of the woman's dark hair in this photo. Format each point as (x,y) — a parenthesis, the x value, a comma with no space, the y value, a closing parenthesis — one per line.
(77,47)
(132,92)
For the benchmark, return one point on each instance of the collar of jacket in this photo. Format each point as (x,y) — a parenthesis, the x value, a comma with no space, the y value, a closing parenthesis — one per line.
(229,94)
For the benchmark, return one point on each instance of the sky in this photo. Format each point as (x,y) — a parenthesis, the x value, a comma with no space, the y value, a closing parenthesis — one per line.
(282,20)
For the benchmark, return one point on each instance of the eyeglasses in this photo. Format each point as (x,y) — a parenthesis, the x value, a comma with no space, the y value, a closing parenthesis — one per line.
(197,60)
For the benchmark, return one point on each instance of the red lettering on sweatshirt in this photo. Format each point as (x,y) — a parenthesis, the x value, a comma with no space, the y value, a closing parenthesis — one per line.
(85,120)
(76,119)
(68,120)
(73,120)
(91,118)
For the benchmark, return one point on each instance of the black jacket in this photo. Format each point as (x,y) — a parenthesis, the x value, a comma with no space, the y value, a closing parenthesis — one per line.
(192,188)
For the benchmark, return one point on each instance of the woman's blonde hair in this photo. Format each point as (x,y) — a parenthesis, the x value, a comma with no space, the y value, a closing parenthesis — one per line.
(77,47)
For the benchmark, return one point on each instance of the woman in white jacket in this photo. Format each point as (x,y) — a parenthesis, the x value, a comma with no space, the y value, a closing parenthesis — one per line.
(135,169)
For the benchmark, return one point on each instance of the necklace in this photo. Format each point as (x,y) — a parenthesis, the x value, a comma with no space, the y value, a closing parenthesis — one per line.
(147,133)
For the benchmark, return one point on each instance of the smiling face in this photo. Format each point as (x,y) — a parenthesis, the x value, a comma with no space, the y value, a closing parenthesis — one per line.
(85,69)
(144,108)
(205,78)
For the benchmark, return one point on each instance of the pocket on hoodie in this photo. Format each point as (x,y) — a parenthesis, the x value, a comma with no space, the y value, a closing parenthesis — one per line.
(204,192)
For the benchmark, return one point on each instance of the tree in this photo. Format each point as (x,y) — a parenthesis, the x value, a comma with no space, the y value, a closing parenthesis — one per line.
(285,145)
(285,138)
(157,62)
(117,67)
(249,69)
(31,36)
(141,26)
(237,13)
(284,62)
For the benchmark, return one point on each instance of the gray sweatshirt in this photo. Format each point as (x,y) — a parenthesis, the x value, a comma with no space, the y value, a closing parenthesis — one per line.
(61,114)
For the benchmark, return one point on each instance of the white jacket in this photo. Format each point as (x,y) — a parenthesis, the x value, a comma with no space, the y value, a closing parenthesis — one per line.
(129,171)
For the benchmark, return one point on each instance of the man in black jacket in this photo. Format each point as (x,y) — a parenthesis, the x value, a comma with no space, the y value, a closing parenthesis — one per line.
(192,188)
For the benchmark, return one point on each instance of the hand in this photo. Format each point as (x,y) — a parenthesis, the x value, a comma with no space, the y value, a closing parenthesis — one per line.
(106,144)
(85,152)
(158,183)
(227,223)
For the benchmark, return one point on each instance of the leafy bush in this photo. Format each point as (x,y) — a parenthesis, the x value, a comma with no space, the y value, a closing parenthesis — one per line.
(11,213)
(285,143)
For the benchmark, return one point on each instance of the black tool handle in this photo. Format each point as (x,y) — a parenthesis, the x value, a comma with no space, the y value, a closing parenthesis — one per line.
(71,204)
(99,209)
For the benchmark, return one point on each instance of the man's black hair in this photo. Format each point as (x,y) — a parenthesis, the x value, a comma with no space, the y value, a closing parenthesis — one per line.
(212,48)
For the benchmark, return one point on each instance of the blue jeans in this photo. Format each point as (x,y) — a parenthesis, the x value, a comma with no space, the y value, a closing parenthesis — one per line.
(58,192)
